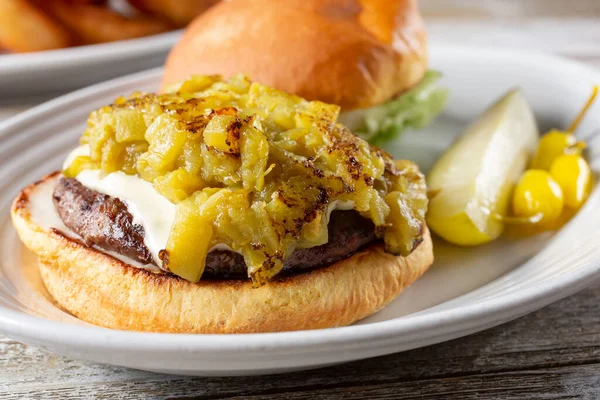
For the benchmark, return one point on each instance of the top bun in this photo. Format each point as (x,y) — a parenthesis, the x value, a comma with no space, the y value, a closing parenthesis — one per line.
(354,53)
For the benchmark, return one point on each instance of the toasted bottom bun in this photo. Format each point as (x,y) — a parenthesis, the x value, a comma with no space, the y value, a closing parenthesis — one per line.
(105,291)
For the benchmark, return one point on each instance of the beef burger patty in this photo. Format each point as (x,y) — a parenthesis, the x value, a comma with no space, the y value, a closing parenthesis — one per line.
(105,222)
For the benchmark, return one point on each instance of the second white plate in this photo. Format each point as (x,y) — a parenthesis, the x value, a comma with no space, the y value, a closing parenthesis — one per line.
(29,77)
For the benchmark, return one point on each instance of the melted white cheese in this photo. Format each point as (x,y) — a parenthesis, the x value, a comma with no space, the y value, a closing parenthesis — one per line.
(83,150)
(148,208)
(339,205)
(44,214)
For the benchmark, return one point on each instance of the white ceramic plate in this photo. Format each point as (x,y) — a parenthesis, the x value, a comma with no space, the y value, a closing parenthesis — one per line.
(28,77)
(467,290)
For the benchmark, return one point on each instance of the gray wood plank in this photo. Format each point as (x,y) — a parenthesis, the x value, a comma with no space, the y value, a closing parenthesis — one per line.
(581,382)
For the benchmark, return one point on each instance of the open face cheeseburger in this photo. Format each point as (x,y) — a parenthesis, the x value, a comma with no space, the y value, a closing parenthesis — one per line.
(225,206)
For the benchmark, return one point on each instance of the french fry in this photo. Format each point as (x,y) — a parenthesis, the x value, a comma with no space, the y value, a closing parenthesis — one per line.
(179,12)
(93,23)
(25,28)
(34,25)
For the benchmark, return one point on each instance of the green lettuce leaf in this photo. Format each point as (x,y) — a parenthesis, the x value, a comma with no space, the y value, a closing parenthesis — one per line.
(414,108)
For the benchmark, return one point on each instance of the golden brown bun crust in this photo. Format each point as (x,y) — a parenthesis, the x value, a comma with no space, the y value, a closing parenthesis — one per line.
(104,291)
(355,53)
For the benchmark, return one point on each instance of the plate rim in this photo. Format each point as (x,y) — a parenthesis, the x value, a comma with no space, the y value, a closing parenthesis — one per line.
(12,63)
(486,313)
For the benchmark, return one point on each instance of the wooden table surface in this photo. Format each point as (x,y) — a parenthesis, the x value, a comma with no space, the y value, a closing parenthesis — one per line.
(553,353)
